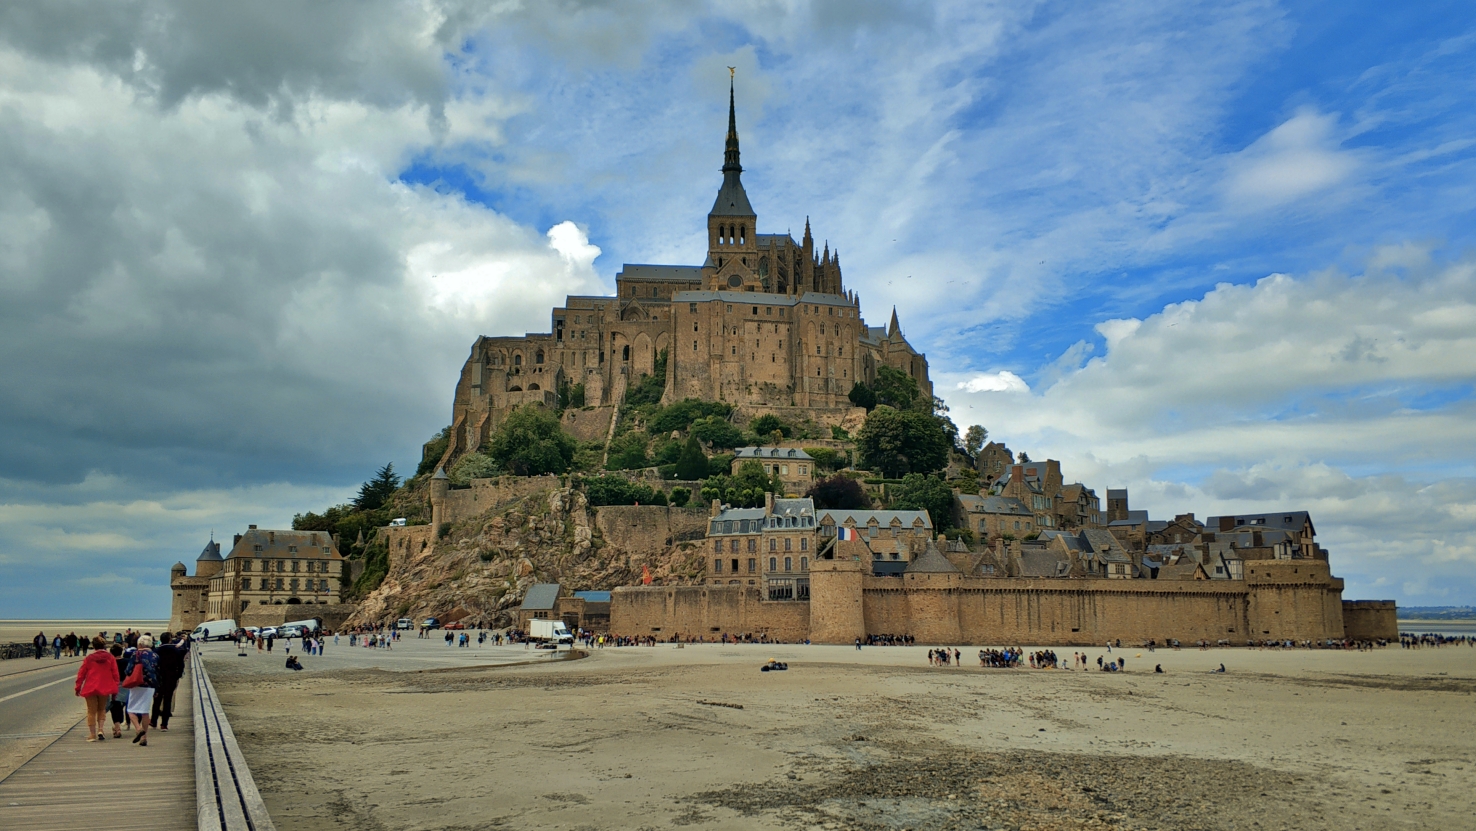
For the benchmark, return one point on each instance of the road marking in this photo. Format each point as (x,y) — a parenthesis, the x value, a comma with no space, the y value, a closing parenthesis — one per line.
(33,689)
(32,735)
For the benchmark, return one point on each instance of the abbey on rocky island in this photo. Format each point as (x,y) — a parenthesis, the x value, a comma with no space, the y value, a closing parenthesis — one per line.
(765,324)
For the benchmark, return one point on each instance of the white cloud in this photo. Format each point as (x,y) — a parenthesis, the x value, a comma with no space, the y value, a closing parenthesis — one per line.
(1002,381)
(1299,157)
(1283,394)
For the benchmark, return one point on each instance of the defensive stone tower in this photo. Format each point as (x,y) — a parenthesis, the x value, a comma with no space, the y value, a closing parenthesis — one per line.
(836,611)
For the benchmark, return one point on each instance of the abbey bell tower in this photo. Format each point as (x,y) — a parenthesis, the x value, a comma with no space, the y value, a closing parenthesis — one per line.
(732,245)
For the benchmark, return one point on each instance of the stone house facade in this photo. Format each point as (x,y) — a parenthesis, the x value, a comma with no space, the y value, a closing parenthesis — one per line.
(791,465)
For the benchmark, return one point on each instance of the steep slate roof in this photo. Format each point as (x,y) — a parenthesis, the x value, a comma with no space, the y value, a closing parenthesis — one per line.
(211,552)
(664,273)
(541,597)
(770,453)
(861,518)
(932,561)
(1134,518)
(279,544)
(1042,563)
(1285,520)
(993,505)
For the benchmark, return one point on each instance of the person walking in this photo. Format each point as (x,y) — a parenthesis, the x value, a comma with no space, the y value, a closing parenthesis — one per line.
(97,681)
(171,669)
(40,643)
(141,696)
(120,696)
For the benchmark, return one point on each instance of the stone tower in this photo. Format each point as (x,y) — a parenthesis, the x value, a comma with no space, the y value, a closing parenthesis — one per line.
(732,239)
(440,485)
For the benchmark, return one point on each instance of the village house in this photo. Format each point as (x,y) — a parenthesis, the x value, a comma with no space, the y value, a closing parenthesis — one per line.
(792,466)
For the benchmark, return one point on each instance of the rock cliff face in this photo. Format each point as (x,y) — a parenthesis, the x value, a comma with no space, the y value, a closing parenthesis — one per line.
(480,570)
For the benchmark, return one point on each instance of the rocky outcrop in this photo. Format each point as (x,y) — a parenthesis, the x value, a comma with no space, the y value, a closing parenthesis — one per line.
(480,569)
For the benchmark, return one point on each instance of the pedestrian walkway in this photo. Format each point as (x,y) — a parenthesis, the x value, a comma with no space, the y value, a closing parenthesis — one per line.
(148,788)
(17,666)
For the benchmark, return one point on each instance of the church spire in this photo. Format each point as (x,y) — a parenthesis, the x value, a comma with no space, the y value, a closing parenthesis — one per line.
(894,328)
(730,150)
(732,201)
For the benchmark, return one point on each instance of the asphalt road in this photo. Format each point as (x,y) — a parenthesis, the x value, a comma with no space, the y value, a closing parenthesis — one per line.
(36,706)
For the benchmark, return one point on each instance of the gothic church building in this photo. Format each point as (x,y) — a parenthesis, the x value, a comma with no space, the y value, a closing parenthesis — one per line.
(765,324)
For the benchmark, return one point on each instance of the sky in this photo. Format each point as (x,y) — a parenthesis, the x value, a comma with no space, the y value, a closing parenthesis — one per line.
(1221,254)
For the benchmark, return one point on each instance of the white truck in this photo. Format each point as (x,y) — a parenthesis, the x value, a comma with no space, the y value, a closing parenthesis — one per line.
(549,631)
(214,630)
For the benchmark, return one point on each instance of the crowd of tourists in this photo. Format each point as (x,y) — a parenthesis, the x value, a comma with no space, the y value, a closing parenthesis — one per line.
(889,640)
(72,645)
(1411,640)
(130,679)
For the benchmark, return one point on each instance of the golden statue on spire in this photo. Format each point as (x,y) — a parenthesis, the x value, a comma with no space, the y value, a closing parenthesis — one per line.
(732,70)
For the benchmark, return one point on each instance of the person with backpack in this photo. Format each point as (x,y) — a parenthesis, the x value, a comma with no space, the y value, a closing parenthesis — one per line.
(171,669)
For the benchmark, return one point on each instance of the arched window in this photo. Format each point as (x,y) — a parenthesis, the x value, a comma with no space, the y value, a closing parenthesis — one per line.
(518,359)
(538,357)
(625,353)
(532,387)
(742,235)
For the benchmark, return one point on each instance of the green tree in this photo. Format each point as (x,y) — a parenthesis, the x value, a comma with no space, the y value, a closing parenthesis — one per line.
(570,395)
(432,451)
(839,492)
(680,497)
(895,388)
(373,493)
(692,464)
(717,432)
(862,396)
(530,442)
(766,424)
(679,416)
(628,451)
(651,387)
(974,439)
(473,466)
(826,458)
(925,493)
(617,490)
(897,442)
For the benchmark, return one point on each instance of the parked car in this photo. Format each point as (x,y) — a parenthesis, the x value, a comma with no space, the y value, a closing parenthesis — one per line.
(269,632)
(455,624)
(432,623)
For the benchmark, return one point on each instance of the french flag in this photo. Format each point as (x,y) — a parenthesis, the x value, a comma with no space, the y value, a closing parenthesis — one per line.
(845,533)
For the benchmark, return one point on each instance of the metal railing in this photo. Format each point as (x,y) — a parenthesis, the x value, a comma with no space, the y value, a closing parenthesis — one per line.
(226,797)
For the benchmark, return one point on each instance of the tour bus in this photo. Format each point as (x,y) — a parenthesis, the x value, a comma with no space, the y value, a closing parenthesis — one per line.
(215,630)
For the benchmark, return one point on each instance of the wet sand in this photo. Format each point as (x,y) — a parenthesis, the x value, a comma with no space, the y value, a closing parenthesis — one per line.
(698,737)
(22,631)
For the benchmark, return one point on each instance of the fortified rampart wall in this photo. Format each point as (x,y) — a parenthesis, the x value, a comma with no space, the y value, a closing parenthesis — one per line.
(706,611)
(1298,602)
(1370,620)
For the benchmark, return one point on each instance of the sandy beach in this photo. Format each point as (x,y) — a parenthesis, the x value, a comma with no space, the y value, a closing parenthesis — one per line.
(699,737)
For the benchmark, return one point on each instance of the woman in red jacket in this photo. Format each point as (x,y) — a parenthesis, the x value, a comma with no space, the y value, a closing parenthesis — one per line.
(97,681)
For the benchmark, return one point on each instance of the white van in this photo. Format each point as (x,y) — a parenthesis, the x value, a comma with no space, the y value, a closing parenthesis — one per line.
(214,630)
(298,628)
(397,522)
(404,623)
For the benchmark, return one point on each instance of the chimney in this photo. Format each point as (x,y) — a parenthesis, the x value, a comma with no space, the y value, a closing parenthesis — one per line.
(236,540)
(1227,523)
(251,527)
(717,507)
(768,503)
(272,537)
